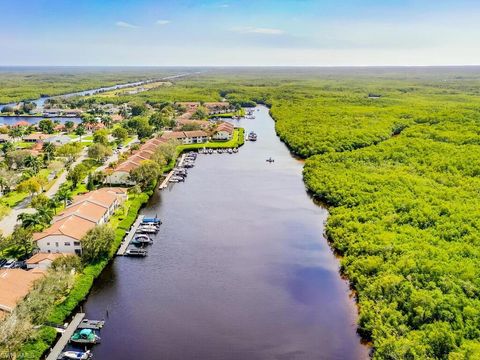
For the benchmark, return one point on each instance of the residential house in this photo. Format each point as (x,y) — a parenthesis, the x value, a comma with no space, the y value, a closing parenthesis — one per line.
(15,284)
(35,137)
(43,261)
(85,212)
(58,139)
(186,137)
(223,132)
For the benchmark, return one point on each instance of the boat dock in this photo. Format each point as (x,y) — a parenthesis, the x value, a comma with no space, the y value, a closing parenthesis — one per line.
(164,183)
(129,236)
(66,335)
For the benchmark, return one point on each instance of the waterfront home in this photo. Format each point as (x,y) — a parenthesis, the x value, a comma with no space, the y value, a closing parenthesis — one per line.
(85,212)
(52,112)
(223,132)
(121,174)
(186,137)
(15,284)
(21,123)
(35,137)
(43,261)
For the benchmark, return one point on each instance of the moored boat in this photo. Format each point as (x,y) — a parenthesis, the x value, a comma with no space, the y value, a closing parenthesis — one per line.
(85,336)
(136,252)
(79,355)
(252,136)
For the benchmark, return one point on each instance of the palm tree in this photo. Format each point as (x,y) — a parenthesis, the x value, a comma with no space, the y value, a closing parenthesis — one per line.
(63,194)
(45,213)
(49,150)
(34,163)
(29,220)
(80,131)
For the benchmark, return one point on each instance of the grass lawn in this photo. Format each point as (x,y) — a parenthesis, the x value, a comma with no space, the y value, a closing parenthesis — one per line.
(236,141)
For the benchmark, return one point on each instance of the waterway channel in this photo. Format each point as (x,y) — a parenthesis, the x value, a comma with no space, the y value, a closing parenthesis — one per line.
(239,270)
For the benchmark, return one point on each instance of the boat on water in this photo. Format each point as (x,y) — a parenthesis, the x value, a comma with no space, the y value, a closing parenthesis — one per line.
(154,220)
(142,239)
(85,336)
(230,151)
(210,151)
(136,252)
(235,150)
(176,178)
(147,229)
(252,136)
(79,355)
(270,160)
(91,324)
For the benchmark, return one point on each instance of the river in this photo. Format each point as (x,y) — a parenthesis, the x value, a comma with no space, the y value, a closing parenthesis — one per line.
(239,270)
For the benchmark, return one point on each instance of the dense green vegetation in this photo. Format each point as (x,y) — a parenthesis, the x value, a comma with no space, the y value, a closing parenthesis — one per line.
(400,173)
(30,83)
(401,176)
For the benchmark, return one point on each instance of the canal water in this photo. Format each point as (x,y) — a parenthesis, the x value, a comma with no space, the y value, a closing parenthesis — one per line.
(12,120)
(239,270)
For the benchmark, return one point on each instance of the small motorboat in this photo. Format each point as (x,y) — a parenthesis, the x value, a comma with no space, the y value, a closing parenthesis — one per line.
(79,355)
(136,252)
(85,336)
(252,136)
(210,151)
(235,150)
(270,160)
(142,240)
(147,229)
(230,151)
(154,220)
(91,324)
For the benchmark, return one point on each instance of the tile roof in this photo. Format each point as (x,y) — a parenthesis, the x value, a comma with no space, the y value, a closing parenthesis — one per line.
(15,284)
(35,259)
(72,226)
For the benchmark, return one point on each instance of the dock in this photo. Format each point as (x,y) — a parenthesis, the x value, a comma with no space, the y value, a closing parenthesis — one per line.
(129,236)
(66,335)
(164,183)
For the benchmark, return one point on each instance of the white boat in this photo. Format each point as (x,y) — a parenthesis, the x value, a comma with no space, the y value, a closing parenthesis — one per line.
(79,355)
(136,252)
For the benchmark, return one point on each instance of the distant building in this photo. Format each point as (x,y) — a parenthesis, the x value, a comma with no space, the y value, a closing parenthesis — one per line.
(58,139)
(36,137)
(223,132)
(186,137)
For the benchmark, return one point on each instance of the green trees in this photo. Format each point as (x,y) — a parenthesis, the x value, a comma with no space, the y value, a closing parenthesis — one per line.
(63,195)
(48,150)
(99,152)
(101,137)
(120,134)
(77,174)
(97,243)
(146,174)
(46,126)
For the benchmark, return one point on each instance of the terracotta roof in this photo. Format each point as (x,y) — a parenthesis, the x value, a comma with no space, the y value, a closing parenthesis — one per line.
(35,259)
(15,284)
(36,136)
(126,166)
(22,123)
(73,226)
(174,135)
(104,197)
(86,210)
(195,133)
(225,127)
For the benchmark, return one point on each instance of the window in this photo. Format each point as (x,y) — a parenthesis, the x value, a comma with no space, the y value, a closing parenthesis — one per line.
(67,244)
(76,243)
(48,244)
(56,244)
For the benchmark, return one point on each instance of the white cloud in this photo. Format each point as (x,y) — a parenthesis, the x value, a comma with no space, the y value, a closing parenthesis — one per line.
(125,25)
(257,30)
(163,22)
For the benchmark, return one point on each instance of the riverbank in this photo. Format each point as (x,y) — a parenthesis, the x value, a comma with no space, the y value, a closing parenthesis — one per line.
(121,222)
(257,282)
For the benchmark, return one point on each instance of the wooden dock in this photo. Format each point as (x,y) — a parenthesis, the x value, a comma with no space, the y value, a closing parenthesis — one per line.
(66,335)
(129,236)
(164,183)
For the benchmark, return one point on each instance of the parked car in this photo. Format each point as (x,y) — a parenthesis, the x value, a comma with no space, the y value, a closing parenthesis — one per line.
(9,264)
(3,262)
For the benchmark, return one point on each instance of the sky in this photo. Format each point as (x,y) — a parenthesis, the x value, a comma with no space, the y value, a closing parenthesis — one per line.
(240,32)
